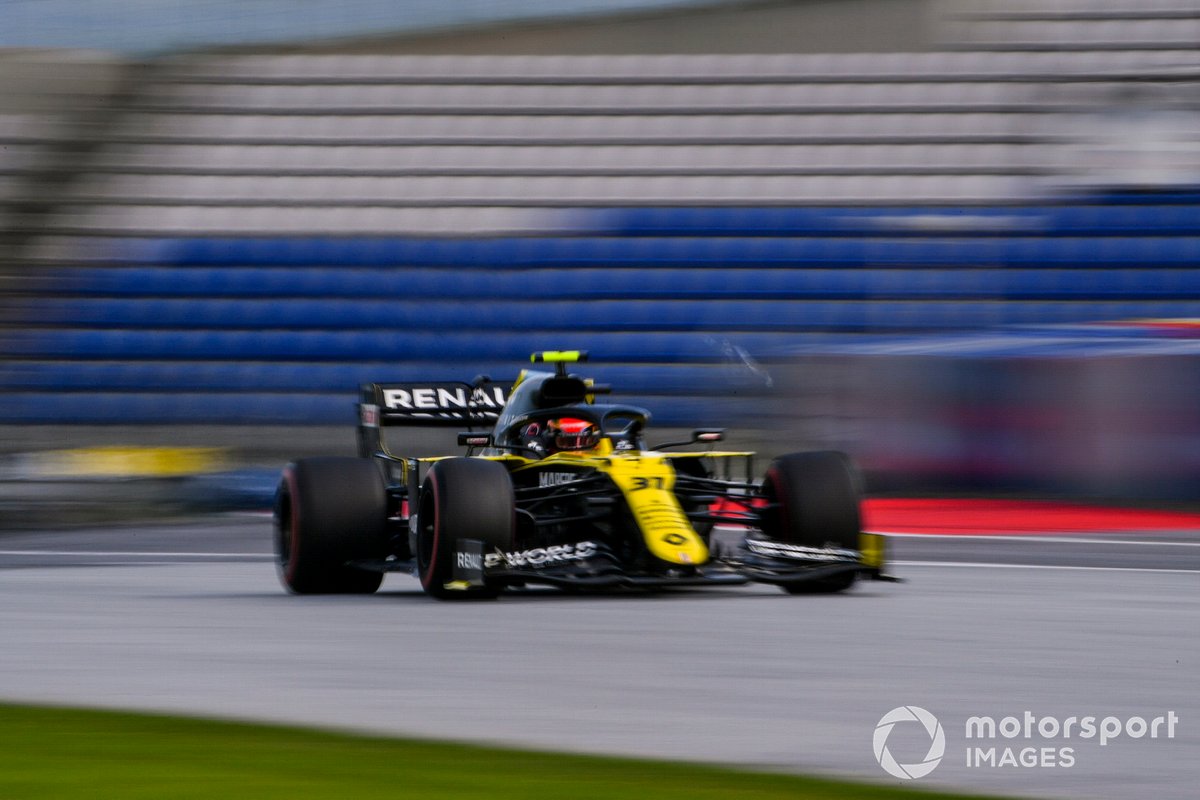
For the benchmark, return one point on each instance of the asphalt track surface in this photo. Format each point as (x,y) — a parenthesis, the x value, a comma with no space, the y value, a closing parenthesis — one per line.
(191,618)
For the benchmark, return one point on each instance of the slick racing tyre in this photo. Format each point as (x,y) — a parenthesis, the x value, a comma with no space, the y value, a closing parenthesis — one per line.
(462,498)
(329,511)
(813,501)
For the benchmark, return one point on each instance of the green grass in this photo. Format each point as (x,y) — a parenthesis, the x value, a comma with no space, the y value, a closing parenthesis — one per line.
(68,753)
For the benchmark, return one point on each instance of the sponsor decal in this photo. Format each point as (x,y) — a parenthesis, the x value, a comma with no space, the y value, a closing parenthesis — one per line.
(540,556)
(469,560)
(556,478)
(368,414)
(437,399)
(762,547)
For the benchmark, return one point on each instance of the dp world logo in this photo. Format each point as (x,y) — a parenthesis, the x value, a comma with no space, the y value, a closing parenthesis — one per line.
(932,729)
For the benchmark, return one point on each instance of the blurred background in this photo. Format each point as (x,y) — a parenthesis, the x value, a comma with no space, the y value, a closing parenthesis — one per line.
(958,239)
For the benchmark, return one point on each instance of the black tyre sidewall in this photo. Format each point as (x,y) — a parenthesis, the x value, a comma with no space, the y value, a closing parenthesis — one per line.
(330,511)
(462,498)
(818,496)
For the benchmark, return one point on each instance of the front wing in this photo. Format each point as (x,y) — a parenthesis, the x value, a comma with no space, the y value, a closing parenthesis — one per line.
(588,565)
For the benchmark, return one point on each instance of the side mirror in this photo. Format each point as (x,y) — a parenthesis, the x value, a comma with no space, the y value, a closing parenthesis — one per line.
(699,436)
(474,440)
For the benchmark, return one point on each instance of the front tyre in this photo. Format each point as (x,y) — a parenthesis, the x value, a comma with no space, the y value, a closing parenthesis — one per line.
(330,511)
(813,500)
(462,498)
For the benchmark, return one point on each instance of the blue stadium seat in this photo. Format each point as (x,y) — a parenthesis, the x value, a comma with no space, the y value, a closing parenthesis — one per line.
(245,330)
(272,376)
(675,252)
(292,408)
(600,283)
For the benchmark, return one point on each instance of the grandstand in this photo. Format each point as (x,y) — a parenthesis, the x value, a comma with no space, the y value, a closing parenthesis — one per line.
(246,237)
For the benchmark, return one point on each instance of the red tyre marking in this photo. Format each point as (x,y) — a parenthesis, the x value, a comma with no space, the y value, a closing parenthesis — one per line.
(427,575)
(289,476)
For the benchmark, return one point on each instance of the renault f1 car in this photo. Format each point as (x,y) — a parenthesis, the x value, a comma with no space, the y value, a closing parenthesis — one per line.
(561,490)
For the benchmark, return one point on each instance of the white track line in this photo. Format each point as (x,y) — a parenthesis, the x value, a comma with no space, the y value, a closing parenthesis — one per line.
(990,565)
(131,554)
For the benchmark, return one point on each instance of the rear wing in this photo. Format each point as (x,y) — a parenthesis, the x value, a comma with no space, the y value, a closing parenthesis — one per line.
(433,403)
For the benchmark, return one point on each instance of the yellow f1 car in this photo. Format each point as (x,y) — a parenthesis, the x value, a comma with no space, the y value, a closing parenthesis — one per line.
(562,491)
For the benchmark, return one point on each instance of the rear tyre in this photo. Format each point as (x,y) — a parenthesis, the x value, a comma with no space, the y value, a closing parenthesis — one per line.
(329,511)
(462,498)
(814,502)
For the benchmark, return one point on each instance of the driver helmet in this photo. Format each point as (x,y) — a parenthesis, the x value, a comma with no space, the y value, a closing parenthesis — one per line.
(574,434)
